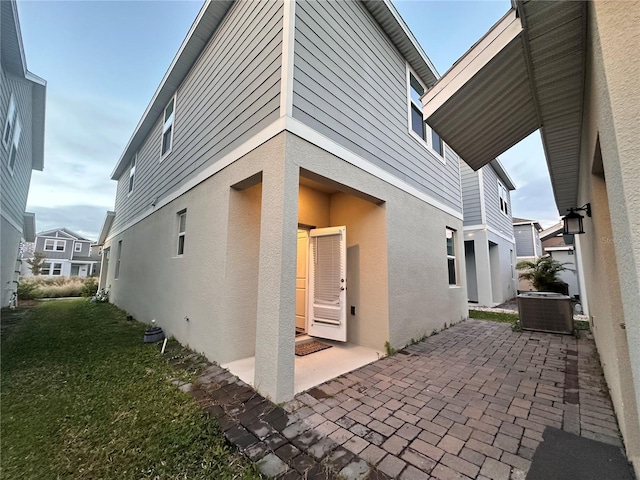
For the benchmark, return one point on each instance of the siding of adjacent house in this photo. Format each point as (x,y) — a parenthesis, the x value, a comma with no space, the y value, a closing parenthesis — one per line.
(350,85)
(524,241)
(68,248)
(231,93)
(15,188)
(495,217)
(84,252)
(470,195)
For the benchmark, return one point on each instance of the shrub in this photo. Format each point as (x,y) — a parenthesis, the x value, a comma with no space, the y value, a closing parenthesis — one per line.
(27,291)
(543,274)
(90,287)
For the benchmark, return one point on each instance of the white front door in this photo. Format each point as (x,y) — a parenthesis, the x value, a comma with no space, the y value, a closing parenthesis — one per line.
(327,280)
(301,281)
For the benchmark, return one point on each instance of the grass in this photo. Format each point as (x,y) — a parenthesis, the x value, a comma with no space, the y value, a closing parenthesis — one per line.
(494,316)
(56,287)
(84,398)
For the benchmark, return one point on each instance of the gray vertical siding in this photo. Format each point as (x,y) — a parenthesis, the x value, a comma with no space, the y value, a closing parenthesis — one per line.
(231,93)
(68,248)
(495,218)
(15,188)
(350,85)
(470,195)
(524,241)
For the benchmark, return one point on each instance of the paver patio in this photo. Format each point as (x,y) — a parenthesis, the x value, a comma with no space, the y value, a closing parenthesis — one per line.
(470,402)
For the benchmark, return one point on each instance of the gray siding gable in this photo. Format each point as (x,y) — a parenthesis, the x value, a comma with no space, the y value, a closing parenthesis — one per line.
(495,218)
(524,240)
(231,93)
(470,195)
(350,86)
(15,187)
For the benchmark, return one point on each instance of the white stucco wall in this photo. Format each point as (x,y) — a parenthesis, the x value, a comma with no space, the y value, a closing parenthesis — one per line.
(610,248)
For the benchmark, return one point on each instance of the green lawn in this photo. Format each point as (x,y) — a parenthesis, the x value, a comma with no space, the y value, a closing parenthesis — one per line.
(84,398)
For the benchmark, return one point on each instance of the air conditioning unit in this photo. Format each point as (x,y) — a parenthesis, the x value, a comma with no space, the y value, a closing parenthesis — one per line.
(545,312)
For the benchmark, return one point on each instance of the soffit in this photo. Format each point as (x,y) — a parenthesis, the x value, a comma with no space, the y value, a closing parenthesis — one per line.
(535,81)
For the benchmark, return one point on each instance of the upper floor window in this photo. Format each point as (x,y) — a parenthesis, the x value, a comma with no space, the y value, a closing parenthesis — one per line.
(503,198)
(15,143)
(451,256)
(167,127)
(417,125)
(132,173)
(54,245)
(182,228)
(12,115)
(77,247)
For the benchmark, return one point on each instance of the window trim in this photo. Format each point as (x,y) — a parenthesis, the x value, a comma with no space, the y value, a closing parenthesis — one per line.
(14,144)
(12,115)
(116,273)
(54,245)
(132,174)
(167,124)
(501,200)
(54,268)
(428,131)
(75,247)
(182,234)
(453,257)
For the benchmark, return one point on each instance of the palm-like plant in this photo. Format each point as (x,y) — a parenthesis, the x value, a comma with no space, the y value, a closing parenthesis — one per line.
(543,273)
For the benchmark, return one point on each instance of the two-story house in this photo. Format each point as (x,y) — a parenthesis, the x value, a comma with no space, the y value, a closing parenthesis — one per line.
(282,176)
(66,254)
(569,69)
(22,108)
(489,245)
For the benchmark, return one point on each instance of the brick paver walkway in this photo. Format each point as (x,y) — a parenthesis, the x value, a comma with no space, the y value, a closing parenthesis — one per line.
(471,402)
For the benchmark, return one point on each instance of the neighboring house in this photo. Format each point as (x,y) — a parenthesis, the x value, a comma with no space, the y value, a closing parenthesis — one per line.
(528,246)
(561,248)
(569,69)
(489,246)
(22,106)
(299,138)
(67,254)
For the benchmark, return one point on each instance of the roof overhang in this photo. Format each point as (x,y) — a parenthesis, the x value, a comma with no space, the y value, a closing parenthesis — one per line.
(526,73)
(502,174)
(206,23)
(14,62)
(535,224)
(389,19)
(29,227)
(106,227)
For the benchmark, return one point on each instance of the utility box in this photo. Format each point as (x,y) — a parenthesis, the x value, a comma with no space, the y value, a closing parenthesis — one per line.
(545,312)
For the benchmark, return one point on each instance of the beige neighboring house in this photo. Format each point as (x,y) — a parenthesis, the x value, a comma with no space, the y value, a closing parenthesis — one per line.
(570,69)
(22,108)
(283,180)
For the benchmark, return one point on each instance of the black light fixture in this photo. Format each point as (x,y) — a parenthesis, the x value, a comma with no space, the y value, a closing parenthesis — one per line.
(573,220)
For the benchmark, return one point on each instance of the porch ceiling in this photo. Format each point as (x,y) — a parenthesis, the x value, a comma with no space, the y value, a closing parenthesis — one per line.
(526,73)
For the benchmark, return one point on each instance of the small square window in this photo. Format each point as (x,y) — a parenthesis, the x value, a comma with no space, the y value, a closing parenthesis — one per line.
(77,247)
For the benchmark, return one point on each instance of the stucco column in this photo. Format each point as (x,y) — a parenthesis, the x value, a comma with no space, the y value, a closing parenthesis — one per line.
(483,268)
(275,327)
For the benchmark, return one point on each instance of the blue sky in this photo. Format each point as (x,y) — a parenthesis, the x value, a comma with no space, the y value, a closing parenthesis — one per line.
(103,60)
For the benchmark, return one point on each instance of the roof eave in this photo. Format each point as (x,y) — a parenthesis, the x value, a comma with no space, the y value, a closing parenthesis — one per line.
(187,54)
(106,227)
(503,174)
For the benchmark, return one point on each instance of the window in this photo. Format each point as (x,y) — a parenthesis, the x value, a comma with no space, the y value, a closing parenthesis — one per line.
(503,198)
(12,115)
(182,227)
(15,143)
(417,124)
(45,269)
(132,173)
(167,128)
(54,245)
(77,247)
(451,256)
(56,269)
(118,255)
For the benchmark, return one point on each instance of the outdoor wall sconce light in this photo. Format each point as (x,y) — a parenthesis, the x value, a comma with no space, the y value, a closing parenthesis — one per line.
(573,220)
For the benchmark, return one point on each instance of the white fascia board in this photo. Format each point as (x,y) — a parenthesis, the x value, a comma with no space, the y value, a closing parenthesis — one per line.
(558,249)
(480,227)
(478,56)
(503,174)
(288,42)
